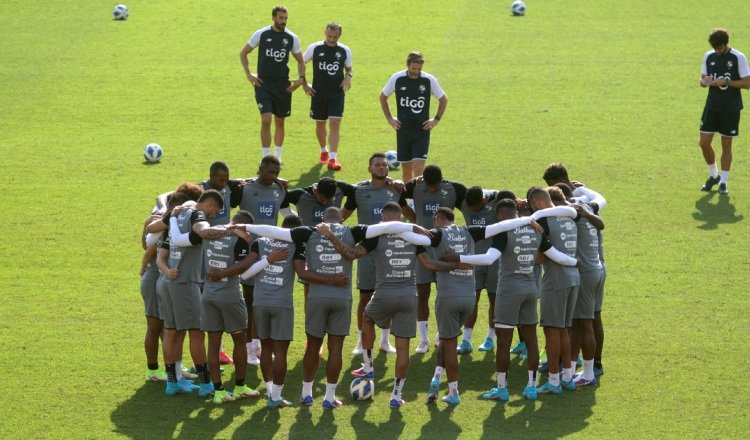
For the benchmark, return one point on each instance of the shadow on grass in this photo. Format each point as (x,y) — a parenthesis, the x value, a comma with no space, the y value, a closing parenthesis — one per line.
(711,215)
(368,430)
(311,176)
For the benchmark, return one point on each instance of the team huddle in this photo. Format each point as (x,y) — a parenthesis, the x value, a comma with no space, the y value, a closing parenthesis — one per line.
(205,272)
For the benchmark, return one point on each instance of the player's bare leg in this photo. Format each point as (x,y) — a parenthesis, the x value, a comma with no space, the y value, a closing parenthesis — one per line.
(265,130)
(333,143)
(278,134)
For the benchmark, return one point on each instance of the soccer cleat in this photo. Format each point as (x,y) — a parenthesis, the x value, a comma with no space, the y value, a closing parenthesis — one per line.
(598,371)
(224,358)
(568,385)
(334,165)
(544,367)
(252,359)
(487,345)
(358,349)
(521,350)
(432,391)
(360,372)
(156,375)
(332,405)
(529,392)
(579,362)
(464,347)
(451,399)
(205,390)
(723,189)
(423,347)
(281,403)
(324,158)
(183,386)
(222,396)
(187,374)
(580,381)
(710,182)
(548,388)
(500,394)
(244,391)
(396,403)
(388,348)
(307,400)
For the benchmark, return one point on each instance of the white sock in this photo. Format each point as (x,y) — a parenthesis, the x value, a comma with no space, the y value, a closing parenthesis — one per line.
(453,388)
(588,369)
(713,170)
(724,177)
(367,357)
(422,325)
(269,388)
(502,379)
(359,339)
(491,333)
(324,149)
(331,392)
(532,378)
(178,370)
(307,389)
(266,151)
(397,387)
(567,374)
(278,152)
(276,392)
(467,334)
(332,155)
(384,333)
(438,373)
(249,347)
(554,379)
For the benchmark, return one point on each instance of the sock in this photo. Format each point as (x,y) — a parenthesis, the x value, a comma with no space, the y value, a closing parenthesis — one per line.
(276,391)
(171,375)
(331,392)
(384,333)
(567,374)
(423,331)
(256,345)
(453,388)
(154,366)
(178,370)
(239,381)
(202,370)
(467,334)
(397,387)
(502,379)
(278,152)
(359,338)
(221,347)
(218,386)
(491,333)
(324,149)
(724,177)
(554,379)
(532,378)
(598,363)
(249,347)
(332,155)
(266,151)
(269,388)
(588,369)
(367,357)
(438,373)
(306,389)
(713,170)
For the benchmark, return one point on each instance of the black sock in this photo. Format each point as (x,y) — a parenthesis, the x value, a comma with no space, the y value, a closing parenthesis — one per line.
(598,363)
(202,370)
(239,382)
(154,366)
(218,386)
(172,372)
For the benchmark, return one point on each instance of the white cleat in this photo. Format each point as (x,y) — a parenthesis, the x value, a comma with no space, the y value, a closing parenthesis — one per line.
(388,348)
(423,347)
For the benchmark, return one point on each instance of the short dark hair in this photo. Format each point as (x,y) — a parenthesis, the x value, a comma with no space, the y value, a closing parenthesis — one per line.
(191,190)
(291,221)
(474,195)
(278,8)
(217,166)
(334,26)
(432,175)
(212,195)
(505,194)
(327,187)
(269,160)
(445,213)
(415,57)
(555,172)
(243,216)
(567,192)
(376,156)
(392,207)
(506,204)
(718,37)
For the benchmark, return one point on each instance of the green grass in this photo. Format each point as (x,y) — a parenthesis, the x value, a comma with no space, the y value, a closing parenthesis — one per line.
(609,89)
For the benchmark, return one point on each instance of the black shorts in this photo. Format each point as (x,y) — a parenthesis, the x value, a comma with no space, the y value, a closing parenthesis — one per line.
(272,97)
(411,144)
(725,122)
(324,107)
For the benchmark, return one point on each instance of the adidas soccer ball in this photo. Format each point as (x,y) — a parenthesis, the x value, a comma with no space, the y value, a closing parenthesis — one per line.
(518,8)
(152,153)
(120,12)
(392,159)
(362,389)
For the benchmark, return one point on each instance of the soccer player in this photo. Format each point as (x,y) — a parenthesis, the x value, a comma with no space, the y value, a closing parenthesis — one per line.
(311,201)
(724,71)
(429,193)
(273,90)
(518,290)
(369,198)
(154,323)
(412,123)
(332,77)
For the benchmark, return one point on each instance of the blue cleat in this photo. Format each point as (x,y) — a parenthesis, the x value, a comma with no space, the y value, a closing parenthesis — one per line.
(307,400)
(529,392)
(548,388)
(569,385)
(206,390)
(710,183)
(360,372)
(183,386)
(464,347)
(598,371)
(580,381)
(396,403)
(520,349)
(500,394)
(487,345)
(281,403)
(723,189)
(432,392)
(451,399)
(332,405)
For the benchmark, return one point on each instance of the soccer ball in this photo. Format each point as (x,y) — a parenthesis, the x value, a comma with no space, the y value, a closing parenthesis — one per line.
(120,12)
(153,153)
(362,389)
(518,8)
(392,159)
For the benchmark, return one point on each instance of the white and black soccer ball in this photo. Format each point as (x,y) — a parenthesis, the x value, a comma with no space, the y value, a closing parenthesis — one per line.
(392,158)
(120,12)
(518,8)
(153,153)
(362,389)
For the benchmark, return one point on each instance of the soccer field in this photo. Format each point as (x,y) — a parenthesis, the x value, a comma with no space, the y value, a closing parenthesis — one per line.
(609,89)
